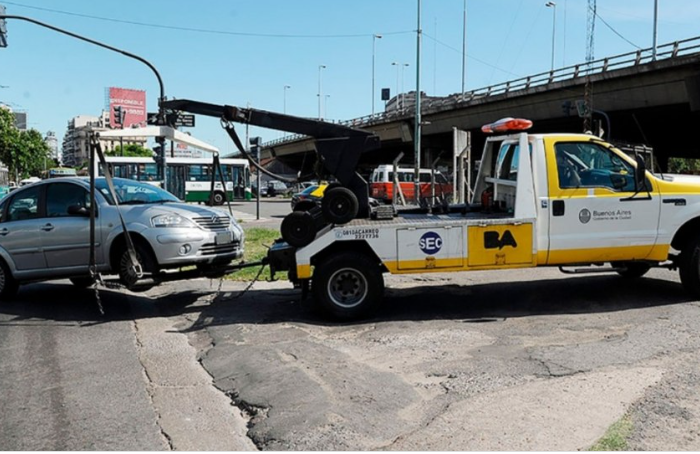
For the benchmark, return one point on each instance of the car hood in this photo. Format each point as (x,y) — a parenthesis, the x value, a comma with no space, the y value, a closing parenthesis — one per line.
(178,208)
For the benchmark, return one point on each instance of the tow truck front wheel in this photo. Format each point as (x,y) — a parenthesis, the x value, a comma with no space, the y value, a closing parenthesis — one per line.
(348,286)
(689,267)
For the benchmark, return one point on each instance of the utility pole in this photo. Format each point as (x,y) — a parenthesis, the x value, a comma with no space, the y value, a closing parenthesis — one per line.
(464,47)
(417,129)
(656,17)
(374,41)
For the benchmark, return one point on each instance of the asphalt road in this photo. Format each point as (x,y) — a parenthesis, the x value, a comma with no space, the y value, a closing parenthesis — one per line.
(510,360)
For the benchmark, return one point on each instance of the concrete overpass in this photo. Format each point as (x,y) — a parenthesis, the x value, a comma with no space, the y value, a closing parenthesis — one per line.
(654,102)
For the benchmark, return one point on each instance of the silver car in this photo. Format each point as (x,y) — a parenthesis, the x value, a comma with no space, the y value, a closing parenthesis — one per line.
(45,232)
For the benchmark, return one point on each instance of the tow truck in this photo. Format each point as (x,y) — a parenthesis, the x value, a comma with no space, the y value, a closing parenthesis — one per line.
(568,200)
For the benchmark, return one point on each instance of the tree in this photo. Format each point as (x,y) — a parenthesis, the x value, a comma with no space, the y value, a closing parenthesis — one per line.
(131,150)
(24,152)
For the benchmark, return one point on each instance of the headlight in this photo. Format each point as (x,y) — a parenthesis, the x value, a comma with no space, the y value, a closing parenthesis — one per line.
(171,220)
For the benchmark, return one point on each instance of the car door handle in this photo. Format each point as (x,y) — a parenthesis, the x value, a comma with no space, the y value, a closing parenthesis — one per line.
(47,228)
(4,232)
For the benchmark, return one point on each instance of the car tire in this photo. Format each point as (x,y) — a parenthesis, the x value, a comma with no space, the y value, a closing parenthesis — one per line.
(219,198)
(347,286)
(632,270)
(148,264)
(298,228)
(689,267)
(82,281)
(339,205)
(8,284)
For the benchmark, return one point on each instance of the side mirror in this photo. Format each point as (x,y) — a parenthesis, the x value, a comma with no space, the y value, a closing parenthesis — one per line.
(640,173)
(78,210)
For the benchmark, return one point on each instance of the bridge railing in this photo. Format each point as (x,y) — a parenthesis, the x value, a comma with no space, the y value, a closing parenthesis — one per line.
(629,59)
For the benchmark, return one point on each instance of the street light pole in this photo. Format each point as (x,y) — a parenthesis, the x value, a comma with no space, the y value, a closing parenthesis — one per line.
(320,91)
(553,5)
(418,126)
(325,105)
(284,107)
(464,46)
(403,99)
(374,41)
(398,65)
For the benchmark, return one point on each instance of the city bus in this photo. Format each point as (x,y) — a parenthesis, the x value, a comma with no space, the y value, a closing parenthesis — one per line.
(189,179)
(4,180)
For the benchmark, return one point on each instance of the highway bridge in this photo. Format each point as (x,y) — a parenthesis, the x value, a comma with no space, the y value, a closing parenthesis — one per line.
(648,101)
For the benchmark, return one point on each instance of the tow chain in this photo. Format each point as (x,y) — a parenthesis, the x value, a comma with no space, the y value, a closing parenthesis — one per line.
(242,292)
(97,278)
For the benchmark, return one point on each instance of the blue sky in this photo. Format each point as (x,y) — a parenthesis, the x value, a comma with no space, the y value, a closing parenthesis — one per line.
(54,77)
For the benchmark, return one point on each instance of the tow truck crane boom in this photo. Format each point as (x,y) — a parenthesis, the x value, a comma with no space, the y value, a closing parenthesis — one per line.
(338,147)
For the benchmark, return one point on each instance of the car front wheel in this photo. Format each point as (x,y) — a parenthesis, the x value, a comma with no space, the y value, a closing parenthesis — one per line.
(127,274)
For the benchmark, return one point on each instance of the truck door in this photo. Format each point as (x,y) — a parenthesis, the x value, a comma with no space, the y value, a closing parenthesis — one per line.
(593,216)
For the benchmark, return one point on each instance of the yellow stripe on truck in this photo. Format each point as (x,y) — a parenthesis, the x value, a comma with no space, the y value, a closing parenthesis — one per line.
(658,253)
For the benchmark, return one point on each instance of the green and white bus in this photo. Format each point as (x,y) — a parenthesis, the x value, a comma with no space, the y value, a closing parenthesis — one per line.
(4,180)
(189,179)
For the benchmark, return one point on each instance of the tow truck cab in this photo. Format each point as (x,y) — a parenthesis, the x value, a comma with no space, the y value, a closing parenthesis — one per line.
(569,200)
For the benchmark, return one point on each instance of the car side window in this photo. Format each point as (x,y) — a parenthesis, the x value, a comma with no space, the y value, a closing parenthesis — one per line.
(588,165)
(24,205)
(60,196)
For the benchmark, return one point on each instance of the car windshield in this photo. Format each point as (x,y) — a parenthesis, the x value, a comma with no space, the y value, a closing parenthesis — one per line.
(134,193)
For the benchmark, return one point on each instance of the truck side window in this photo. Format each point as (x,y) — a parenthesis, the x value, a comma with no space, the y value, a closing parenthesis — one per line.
(588,165)
(507,163)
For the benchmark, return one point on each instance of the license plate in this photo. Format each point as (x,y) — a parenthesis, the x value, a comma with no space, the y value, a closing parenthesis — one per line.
(224,238)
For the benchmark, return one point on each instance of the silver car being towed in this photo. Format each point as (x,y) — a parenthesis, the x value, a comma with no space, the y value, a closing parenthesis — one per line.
(45,232)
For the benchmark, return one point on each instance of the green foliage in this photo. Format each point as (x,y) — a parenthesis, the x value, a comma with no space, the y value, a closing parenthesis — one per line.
(24,152)
(683,165)
(131,150)
(615,439)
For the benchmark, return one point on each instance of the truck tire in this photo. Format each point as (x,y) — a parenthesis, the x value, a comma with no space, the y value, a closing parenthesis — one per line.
(339,205)
(148,265)
(298,228)
(8,284)
(632,270)
(347,286)
(689,267)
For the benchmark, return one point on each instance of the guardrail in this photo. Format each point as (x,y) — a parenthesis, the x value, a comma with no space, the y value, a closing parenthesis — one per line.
(630,59)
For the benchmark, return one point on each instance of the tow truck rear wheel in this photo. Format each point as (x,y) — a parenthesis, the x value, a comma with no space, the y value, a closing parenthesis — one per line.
(632,270)
(347,286)
(689,267)
(339,205)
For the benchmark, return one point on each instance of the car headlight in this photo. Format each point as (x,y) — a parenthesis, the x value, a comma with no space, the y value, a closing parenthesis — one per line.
(171,220)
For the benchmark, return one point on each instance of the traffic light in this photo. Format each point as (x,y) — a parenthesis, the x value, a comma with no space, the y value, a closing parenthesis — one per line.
(255,147)
(3,28)
(119,114)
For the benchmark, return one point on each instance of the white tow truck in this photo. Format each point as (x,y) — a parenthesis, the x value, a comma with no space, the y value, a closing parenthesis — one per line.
(566,200)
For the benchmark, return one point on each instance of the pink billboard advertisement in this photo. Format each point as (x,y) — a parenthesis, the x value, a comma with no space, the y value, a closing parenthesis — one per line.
(132,102)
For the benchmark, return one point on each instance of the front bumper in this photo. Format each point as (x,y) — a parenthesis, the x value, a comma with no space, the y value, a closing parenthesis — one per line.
(182,247)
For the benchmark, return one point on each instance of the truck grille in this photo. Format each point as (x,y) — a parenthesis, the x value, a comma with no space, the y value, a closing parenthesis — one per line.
(215,249)
(213,222)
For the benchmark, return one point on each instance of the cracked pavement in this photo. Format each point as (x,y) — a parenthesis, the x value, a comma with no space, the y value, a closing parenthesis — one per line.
(507,360)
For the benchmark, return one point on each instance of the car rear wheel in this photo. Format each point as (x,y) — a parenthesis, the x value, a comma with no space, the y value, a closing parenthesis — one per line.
(8,284)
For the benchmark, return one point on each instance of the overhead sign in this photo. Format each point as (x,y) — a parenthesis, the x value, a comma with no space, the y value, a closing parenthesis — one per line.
(132,102)
(386,94)
(182,120)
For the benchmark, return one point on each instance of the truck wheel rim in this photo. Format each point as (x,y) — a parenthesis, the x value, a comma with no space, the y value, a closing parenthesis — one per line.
(347,288)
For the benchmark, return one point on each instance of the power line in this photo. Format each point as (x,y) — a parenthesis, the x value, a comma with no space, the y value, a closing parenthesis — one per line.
(471,56)
(203,30)
(613,30)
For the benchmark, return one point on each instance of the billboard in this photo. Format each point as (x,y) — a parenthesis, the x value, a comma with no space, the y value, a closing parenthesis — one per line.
(132,102)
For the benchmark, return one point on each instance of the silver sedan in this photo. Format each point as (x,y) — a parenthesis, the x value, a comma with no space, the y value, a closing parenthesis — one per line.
(45,232)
